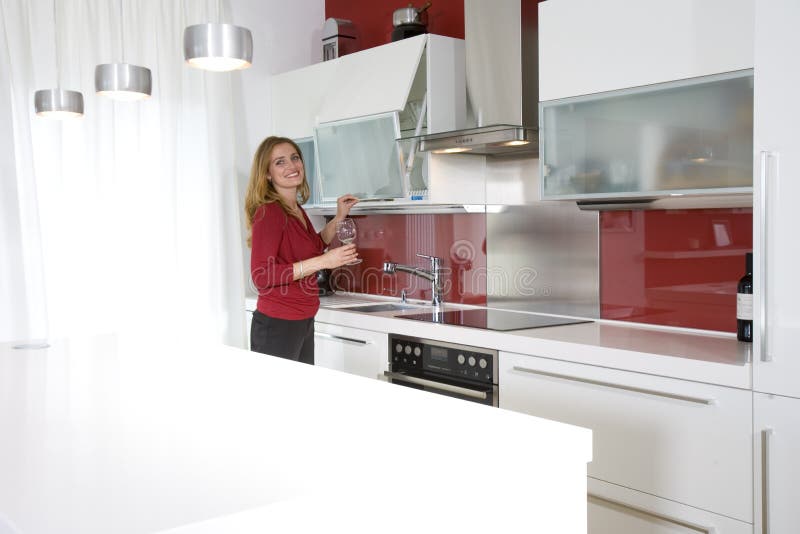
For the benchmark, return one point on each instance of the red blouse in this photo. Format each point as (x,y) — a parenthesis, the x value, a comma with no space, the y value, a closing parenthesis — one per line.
(279,240)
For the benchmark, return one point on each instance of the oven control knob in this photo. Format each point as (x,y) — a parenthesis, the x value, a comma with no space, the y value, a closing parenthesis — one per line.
(417,351)
(461,359)
(408,349)
(398,348)
(483,363)
(472,361)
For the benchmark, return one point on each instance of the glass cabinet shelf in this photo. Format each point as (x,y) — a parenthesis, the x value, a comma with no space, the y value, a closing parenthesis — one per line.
(686,137)
(360,157)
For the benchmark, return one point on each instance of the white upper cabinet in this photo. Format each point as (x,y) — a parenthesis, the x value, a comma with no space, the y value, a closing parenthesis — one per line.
(586,46)
(297,97)
(410,87)
(776,352)
(395,77)
(365,85)
(373,81)
(683,137)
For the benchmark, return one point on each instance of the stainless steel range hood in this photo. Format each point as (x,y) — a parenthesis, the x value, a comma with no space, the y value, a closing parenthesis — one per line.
(497,140)
(502,81)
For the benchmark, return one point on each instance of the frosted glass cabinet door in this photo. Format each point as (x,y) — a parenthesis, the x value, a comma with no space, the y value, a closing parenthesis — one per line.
(691,136)
(308,149)
(360,156)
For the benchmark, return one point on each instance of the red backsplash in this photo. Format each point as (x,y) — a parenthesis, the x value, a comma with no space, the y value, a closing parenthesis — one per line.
(459,239)
(675,268)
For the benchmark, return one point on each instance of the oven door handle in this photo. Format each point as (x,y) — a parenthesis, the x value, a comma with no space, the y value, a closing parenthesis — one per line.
(400,377)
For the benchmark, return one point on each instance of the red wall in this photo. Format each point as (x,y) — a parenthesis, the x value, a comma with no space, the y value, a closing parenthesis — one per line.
(373,18)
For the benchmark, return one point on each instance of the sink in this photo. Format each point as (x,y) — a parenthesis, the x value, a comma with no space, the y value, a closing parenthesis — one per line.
(375,308)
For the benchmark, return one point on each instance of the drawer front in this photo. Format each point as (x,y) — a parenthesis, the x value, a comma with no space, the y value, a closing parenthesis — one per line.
(616,510)
(355,351)
(680,440)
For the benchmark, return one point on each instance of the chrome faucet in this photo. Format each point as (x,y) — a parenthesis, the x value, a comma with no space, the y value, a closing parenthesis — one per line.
(434,275)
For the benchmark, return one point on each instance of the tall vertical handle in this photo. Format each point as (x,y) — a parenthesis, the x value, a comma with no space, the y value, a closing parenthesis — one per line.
(766,156)
(766,436)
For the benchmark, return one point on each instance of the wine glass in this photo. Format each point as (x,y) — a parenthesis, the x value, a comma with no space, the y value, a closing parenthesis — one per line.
(346,232)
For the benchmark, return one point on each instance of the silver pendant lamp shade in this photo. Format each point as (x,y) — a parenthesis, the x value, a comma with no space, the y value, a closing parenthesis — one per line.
(218,47)
(123,81)
(58,103)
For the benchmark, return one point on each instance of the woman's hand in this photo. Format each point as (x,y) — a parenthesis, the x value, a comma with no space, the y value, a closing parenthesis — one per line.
(336,257)
(343,205)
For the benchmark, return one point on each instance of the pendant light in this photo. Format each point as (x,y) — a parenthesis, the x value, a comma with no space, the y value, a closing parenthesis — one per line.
(218,47)
(57,103)
(123,81)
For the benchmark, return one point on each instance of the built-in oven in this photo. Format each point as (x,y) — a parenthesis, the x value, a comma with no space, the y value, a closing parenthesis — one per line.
(460,371)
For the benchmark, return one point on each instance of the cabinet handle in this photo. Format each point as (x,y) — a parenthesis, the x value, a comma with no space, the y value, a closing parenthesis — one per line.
(766,440)
(342,339)
(674,520)
(766,356)
(441,386)
(697,400)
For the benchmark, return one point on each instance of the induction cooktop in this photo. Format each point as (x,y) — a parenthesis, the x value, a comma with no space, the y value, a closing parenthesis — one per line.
(492,319)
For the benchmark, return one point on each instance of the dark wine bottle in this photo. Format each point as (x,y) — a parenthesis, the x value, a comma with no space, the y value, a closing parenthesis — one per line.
(744,302)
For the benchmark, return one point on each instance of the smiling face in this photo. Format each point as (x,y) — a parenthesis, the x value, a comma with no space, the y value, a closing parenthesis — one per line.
(286,170)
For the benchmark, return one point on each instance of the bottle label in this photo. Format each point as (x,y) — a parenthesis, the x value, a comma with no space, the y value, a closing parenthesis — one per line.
(744,306)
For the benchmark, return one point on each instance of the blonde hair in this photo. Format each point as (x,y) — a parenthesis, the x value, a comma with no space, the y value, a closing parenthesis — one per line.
(260,190)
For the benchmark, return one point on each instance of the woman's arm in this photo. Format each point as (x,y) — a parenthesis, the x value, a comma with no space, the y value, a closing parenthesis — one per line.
(335,257)
(343,205)
(266,272)
(264,267)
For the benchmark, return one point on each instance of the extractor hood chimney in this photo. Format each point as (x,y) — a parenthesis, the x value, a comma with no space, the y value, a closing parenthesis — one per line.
(502,72)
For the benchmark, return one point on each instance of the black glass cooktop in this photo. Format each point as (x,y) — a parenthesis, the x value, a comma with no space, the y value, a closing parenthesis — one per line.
(492,319)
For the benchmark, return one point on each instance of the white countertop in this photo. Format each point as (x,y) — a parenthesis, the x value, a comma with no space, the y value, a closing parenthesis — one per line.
(126,434)
(702,357)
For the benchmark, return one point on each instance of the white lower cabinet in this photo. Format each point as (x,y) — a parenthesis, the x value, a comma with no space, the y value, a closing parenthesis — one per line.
(352,350)
(776,446)
(248,321)
(686,442)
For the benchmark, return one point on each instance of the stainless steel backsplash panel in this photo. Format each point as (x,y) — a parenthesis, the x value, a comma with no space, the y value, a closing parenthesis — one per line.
(543,257)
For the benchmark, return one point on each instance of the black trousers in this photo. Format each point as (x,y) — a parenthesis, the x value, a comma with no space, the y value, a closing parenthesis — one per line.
(293,340)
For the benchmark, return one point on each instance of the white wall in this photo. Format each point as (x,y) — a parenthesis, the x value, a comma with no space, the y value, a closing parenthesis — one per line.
(286,36)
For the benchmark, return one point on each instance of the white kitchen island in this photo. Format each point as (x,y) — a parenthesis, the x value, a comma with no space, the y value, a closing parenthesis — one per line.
(125,434)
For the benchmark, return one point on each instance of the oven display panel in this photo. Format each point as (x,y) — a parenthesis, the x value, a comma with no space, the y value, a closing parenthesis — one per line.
(438,354)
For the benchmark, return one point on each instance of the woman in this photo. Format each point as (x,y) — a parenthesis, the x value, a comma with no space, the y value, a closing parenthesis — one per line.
(287,251)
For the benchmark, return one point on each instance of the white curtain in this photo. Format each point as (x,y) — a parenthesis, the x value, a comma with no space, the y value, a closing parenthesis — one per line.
(128,218)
